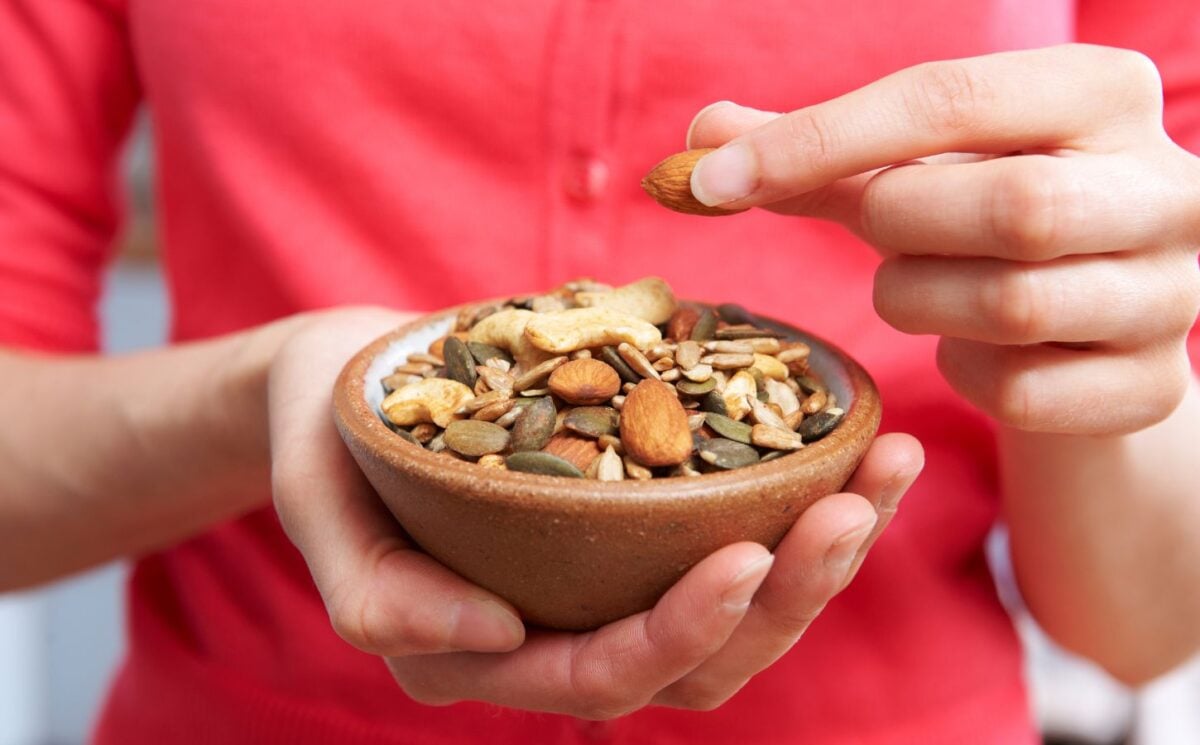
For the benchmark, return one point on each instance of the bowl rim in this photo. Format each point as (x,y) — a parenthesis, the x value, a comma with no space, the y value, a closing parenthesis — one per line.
(356,419)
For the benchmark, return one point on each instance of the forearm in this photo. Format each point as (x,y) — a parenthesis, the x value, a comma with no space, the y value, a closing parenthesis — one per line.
(1106,539)
(101,457)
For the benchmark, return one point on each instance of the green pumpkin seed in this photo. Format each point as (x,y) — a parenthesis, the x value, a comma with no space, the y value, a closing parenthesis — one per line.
(460,364)
(773,455)
(728,428)
(727,454)
(706,325)
(817,426)
(613,358)
(696,389)
(593,421)
(543,463)
(535,426)
(713,401)
(473,438)
(810,385)
(484,352)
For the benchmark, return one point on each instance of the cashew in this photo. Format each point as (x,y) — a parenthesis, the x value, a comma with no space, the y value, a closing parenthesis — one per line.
(739,388)
(565,331)
(428,400)
(649,299)
(770,367)
(506,329)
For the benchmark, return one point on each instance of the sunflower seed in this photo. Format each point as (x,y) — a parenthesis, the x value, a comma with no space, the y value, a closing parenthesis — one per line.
(414,368)
(533,429)
(728,428)
(609,466)
(696,420)
(617,402)
(766,436)
(662,364)
(437,444)
(581,354)
(509,419)
(814,403)
(794,354)
(424,432)
(404,434)
(483,400)
(637,361)
(699,374)
(496,380)
(537,375)
(474,438)
(592,421)
(426,358)
(773,455)
(659,351)
(493,461)
(493,412)
(794,419)
(782,396)
(727,454)
(670,376)
(809,385)
(728,361)
(397,380)
(687,355)
(729,347)
(611,441)
(636,470)
(543,463)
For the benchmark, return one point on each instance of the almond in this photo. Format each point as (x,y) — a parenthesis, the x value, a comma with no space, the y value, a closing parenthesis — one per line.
(585,382)
(654,425)
(577,450)
(670,183)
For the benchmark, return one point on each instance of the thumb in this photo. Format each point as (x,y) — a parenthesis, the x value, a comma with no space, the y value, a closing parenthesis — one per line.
(720,122)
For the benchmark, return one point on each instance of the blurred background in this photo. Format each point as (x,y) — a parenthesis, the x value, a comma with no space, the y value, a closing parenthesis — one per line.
(59,645)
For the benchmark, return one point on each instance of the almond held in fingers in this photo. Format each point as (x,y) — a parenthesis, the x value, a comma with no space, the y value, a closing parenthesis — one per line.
(654,425)
(670,184)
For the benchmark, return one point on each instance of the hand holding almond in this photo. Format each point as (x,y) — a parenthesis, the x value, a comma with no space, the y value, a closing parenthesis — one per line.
(1057,260)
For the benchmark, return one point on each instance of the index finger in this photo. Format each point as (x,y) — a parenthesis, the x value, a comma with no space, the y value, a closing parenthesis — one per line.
(999,103)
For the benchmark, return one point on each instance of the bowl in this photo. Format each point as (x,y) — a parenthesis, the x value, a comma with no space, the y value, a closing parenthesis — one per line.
(576,554)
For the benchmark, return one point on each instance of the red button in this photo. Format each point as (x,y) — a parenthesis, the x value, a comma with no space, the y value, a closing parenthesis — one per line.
(586,178)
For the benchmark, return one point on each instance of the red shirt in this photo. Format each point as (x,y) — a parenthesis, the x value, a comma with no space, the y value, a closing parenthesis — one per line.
(314,153)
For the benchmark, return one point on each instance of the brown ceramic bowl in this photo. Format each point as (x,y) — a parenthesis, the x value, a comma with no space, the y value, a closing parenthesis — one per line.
(576,554)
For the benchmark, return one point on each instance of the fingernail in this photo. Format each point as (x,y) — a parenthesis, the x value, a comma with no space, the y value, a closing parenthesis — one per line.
(485,626)
(691,127)
(894,490)
(726,175)
(841,553)
(739,593)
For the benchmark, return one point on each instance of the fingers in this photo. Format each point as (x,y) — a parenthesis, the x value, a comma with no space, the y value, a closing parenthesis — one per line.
(613,670)
(1028,208)
(1125,301)
(1060,390)
(997,103)
(381,596)
(812,563)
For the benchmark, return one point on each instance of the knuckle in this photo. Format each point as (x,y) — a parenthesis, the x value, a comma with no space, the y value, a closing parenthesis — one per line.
(946,98)
(600,697)
(697,695)
(812,139)
(1014,400)
(1017,306)
(1034,210)
(1138,69)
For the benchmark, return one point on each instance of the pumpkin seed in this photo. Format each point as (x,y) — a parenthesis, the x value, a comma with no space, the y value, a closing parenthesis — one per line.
(773,455)
(809,384)
(713,401)
(534,428)
(474,438)
(543,463)
(484,352)
(593,421)
(696,389)
(745,332)
(728,428)
(610,355)
(817,426)
(706,326)
(460,365)
(727,454)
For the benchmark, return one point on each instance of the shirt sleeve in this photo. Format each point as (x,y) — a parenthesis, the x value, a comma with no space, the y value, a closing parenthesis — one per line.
(1169,32)
(67,98)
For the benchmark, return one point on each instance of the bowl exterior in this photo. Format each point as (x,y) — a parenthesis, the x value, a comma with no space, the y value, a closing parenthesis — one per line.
(572,554)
